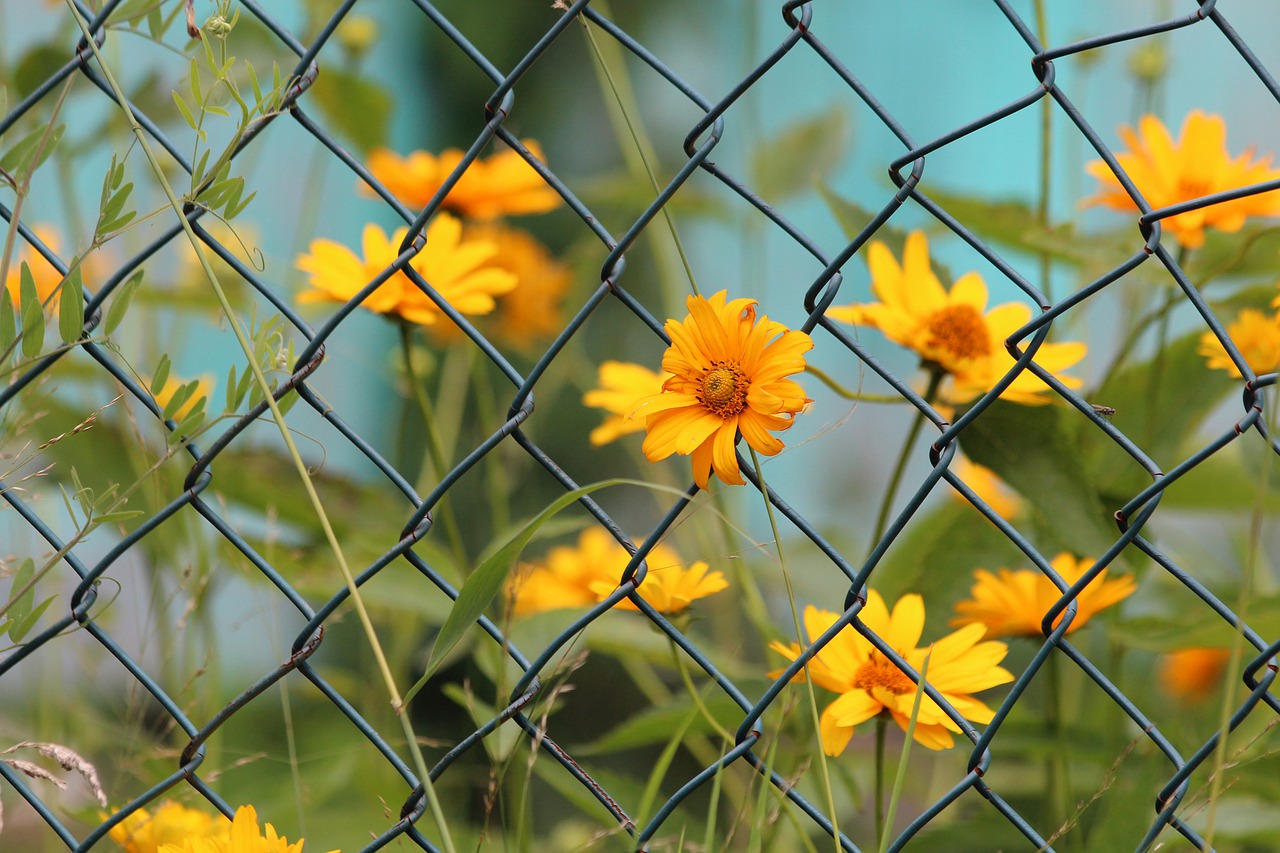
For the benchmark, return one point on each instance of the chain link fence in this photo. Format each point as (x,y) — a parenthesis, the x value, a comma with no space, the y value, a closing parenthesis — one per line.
(316,613)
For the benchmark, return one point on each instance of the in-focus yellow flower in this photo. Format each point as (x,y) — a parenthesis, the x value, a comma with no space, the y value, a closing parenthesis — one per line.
(1255,334)
(459,270)
(44,274)
(171,823)
(1197,165)
(622,385)
(868,683)
(244,837)
(531,312)
(583,575)
(1193,674)
(1015,603)
(948,329)
(727,377)
(500,185)
(984,482)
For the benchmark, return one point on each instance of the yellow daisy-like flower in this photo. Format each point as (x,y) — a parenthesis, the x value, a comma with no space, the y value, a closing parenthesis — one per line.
(171,823)
(501,185)
(984,482)
(44,274)
(949,329)
(1255,334)
(869,684)
(244,837)
(459,270)
(727,377)
(1193,674)
(622,384)
(586,574)
(1015,603)
(1197,165)
(531,312)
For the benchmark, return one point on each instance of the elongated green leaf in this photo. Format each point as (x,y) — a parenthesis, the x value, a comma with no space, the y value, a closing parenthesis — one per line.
(654,725)
(21,158)
(22,591)
(19,628)
(161,375)
(186,112)
(484,584)
(32,313)
(8,322)
(358,107)
(71,308)
(786,164)
(120,304)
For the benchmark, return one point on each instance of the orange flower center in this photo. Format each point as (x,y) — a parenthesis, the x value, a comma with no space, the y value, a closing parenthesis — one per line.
(1190,188)
(961,331)
(724,390)
(880,673)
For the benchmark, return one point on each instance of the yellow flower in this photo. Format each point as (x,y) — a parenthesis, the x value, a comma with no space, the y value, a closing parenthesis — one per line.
(868,683)
(622,384)
(171,823)
(1255,334)
(44,274)
(244,837)
(984,482)
(1197,165)
(531,312)
(948,329)
(1015,603)
(727,377)
(459,270)
(588,573)
(502,185)
(1193,674)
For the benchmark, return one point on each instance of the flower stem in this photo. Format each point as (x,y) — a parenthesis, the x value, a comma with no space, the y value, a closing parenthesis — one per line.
(846,393)
(1057,779)
(936,376)
(1162,343)
(882,728)
(434,456)
(1046,157)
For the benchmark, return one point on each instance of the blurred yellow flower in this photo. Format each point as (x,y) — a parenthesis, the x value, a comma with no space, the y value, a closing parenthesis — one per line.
(204,388)
(244,837)
(1015,603)
(1255,334)
(949,330)
(459,270)
(1197,165)
(984,482)
(500,185)
(44,274)
(171,823)
(583,575)
(622,384)
(531,312)
(869,684)
(727,377)
(1193,674)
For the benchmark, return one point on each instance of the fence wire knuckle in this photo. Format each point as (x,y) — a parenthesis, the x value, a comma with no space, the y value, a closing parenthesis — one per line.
(526,431)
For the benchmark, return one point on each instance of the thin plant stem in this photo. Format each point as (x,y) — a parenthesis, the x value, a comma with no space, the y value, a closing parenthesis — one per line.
(1256,520)
(1162,342)
(936,375)
(495,469)
(433,458)
(233,320)
(828,789)
(620,87)
(882,729)
(844,392)
(900,778)
(1046,157)
(1058,780)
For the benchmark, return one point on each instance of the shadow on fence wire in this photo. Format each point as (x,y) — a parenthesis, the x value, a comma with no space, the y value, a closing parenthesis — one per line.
(799,29)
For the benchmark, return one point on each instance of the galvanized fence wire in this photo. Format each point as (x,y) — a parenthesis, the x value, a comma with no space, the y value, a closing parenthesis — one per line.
(799,29)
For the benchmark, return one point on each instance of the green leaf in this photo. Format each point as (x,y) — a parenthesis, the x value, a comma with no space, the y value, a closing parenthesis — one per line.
(8,322)
(1036,451)
(161,375)
(484,584)
(186,113)
(22,591)
(19,628)
(788,163)
(120,303)
(36,66)
(655,725)
(32,314)
(71,307)
(21,158)
(179,399)
(357,107)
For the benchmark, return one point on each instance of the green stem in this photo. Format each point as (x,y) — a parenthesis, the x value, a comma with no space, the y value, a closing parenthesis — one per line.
(1057,781)
(829,789)
(1162,342)
(433,459)
(1046,157)
(936,375)
(882,728)
(846,393)
(233,320)
(495,469)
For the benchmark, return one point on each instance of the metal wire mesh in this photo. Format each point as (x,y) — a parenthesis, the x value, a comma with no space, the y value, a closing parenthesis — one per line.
(798,29)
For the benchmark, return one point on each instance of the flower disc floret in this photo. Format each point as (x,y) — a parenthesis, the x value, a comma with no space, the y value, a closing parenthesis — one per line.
(728,376)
